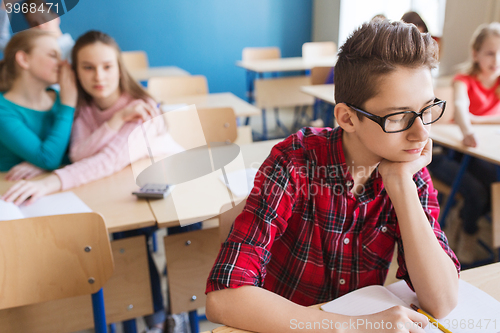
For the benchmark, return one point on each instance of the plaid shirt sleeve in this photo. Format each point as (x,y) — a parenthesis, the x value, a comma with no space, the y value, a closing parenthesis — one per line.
(243,257)
(428,198)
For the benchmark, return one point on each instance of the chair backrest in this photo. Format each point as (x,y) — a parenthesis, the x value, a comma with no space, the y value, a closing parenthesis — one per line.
(282,92)
(190,257)
(446,93)
(163,88)
(134,60)
(260,53)
(53,257)
(227,217)
(318,50)
(319,75)
(193,128)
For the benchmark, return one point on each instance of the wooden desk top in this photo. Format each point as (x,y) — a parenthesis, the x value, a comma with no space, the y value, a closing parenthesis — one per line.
(165,210)
(484,278)
(488,149)
(146,74)
(325,92)
(285,64)
(112,197)
(241,108)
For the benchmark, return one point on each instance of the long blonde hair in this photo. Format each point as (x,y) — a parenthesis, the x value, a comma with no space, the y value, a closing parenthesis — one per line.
(22,41)
(127,83)
(482,32)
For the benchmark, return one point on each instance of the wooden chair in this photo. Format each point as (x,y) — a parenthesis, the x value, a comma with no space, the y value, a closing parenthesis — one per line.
(191,255)
(315,50)
(258,53)
(134,60)
(320,75)
(55,257)
(282,92)
(163,88)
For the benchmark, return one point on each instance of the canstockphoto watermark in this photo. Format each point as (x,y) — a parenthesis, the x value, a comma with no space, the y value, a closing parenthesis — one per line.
(357,324)
(25,14)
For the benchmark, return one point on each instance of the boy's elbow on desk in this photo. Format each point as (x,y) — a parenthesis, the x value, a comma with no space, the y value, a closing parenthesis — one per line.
(444,305)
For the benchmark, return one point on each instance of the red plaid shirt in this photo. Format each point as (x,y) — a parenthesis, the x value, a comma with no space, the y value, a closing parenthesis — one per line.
(304,236)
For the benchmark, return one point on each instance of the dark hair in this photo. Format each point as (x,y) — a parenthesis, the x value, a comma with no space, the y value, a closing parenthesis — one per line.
(127,83)
(414,18)
(23,41)
(375,49)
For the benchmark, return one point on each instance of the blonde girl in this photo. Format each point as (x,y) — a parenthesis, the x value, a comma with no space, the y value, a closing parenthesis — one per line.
(35,121)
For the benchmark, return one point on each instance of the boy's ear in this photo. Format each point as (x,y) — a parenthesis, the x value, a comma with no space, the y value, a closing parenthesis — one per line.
(22,59)
(344,117)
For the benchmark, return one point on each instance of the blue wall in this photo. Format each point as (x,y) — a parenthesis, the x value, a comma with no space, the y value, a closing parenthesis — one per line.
(201,36)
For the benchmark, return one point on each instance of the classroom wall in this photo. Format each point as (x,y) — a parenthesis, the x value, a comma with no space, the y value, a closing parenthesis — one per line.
(461,20)
(326,18)
(201,36)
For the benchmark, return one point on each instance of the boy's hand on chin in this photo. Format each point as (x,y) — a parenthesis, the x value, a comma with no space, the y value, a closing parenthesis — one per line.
(400,170)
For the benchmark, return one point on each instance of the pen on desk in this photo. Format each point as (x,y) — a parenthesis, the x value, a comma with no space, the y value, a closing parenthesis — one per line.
(431,319)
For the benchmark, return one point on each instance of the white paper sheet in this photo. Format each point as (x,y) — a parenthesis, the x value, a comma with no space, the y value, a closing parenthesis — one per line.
(55,204)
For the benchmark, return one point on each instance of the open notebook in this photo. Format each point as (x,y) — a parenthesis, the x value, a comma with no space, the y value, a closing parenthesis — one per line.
(476,312)
(55,204)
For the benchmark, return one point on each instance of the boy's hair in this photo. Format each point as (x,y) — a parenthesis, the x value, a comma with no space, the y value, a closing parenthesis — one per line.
(482,32)
(375,49)
(127,84)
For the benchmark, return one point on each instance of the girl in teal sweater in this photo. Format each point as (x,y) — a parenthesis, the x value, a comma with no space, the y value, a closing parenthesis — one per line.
(35,121)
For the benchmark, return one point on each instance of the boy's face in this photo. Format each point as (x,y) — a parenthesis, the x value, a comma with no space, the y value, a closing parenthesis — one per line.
(402,90)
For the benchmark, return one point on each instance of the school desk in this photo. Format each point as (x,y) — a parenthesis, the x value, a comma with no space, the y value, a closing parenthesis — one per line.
(216,100)
(484,278)
(146,74)
(488,149)
(323,92)
(165,212)
(285,64)
(112,198)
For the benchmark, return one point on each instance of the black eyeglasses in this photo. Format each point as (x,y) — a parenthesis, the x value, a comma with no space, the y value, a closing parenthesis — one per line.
(401,121)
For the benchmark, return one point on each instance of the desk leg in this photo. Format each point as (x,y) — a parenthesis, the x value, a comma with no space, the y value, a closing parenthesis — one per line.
(99,313)
(456,184)
(193,321)
(250,78)
(129,326)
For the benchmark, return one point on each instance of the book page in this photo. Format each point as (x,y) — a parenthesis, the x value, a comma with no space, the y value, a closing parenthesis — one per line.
(55,204)
(9,211)
(241,181)
(476,312)
(364,301)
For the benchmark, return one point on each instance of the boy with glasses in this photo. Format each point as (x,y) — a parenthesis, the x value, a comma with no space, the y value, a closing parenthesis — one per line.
(328,206)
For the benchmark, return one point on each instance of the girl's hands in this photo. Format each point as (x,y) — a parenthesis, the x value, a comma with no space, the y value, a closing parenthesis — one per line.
(30,191)
(23,170)
(139,111)
(67,82)
(470,140)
